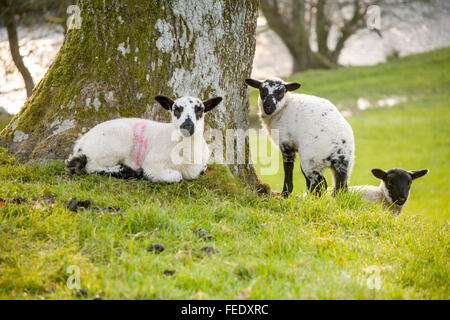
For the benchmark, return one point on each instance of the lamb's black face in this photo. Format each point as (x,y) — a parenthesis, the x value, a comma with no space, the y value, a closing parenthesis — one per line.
(272,92)
(398,182)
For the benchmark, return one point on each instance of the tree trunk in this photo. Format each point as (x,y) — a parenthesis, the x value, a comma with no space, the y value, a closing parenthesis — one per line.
(11,27)
(127,52)
(294,31)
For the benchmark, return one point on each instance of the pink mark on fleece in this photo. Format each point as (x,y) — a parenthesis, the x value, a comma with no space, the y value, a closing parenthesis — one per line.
(139,141)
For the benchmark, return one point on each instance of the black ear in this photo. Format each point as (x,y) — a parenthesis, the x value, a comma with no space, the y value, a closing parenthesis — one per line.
(165,102)
(292,86)
(380,174)
(211,103)
(418,173)
(253,83)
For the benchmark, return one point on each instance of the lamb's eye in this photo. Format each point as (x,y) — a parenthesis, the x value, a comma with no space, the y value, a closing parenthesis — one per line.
(198,112)
(177,111)
(279,94)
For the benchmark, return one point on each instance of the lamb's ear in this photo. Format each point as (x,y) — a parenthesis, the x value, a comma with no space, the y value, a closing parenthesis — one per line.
(211,103)
(165,102)
(253,83)
(380,174)
(418,173)
(292,86)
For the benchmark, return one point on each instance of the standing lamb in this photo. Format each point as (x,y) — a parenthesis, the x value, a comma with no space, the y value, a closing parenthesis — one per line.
(131,147)
(311,126)
(393,191)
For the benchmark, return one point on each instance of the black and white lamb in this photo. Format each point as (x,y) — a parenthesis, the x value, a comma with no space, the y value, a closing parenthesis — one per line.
(134,148)
(393,191)
(311,126)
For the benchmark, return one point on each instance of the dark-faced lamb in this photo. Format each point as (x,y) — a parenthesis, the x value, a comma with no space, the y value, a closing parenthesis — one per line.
(131,147)
(393,191)
(311,126)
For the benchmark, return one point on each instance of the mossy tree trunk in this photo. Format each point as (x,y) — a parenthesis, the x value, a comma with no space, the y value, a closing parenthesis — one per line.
(125,53)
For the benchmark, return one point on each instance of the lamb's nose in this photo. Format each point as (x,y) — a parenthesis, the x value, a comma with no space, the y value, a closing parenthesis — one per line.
(187,128)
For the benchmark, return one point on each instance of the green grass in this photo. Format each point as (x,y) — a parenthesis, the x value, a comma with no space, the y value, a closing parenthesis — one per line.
(266,247)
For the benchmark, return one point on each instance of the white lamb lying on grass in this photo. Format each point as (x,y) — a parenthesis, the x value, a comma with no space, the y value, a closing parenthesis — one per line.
(393,191)
(134,148)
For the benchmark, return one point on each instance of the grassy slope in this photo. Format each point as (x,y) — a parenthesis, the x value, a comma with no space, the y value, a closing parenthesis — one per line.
(413,135)
(266,247)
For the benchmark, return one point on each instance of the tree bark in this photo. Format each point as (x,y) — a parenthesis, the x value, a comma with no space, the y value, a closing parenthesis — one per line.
(126,53)
(11,27)
(294,31)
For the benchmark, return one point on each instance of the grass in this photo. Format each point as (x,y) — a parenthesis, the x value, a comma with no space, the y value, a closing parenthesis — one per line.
(266,247)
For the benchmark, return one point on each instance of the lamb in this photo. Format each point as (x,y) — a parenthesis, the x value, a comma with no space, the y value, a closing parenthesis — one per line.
(135,148)
(393,191)
(311,126)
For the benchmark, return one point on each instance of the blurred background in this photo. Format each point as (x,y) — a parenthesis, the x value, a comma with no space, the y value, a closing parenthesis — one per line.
(292,36)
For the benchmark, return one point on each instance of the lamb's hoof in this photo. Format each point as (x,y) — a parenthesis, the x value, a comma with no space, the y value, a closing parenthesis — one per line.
(140,173)
(127,172)
(285,194)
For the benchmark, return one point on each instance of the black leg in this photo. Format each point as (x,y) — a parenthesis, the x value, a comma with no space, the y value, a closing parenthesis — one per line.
(287,185)
(125,172)
(288,152)
(318,183)
(339,171)
(308,182)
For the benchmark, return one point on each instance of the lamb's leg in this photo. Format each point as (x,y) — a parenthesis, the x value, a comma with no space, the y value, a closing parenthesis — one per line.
(318,183)
(339,170)
(161,175)
(308,182)
(112,171)
(127,172)
(340,180)
(288,153)
(117,171)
